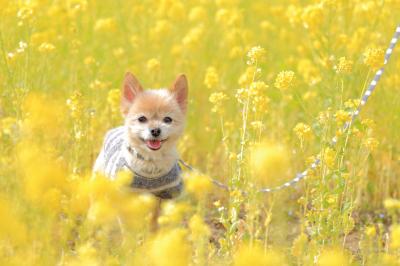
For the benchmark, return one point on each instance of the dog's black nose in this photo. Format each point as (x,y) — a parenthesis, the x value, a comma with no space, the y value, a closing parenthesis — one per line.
(155,132)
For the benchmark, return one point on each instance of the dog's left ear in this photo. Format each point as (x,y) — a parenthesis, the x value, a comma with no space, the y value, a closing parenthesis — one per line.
(130,89)
(180,89)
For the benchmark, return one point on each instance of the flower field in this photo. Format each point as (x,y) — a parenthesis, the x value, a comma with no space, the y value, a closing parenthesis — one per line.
(270,84)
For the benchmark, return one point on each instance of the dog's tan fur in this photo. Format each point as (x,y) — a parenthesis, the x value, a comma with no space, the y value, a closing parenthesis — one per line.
(154,105)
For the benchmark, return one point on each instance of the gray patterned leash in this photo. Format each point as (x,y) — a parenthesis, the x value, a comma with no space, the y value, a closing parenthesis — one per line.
(313,166)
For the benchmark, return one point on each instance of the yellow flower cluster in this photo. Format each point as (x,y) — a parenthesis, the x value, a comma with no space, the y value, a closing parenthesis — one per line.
(46,47)
(342,117)
(255,255)
(312,16)
(255,55)
(114,99)
(269,163)
(371,143)
(285,80)
(302,131)
(153,65)
(344,66)
(105,25)
(373,57)
(198,185)
(211,79)
(218,99)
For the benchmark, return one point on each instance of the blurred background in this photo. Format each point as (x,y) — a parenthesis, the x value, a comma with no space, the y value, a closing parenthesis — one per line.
(270,84)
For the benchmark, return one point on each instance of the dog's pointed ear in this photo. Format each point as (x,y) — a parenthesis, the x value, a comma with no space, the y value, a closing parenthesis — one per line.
(180,89)
(130,90)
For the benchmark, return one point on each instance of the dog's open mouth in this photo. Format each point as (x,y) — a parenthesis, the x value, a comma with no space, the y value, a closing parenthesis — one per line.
(154,144)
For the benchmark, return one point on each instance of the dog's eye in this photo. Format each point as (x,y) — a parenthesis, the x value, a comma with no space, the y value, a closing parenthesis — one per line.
(142,119)
(167,120)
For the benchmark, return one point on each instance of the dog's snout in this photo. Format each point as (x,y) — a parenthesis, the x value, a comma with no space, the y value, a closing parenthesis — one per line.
(155,132)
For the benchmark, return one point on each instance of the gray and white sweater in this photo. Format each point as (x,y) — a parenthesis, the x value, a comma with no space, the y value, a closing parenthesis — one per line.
(117,155)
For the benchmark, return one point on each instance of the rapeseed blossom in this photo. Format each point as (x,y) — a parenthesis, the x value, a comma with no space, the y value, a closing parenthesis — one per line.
(344,66)
(269,162)
(285,80)
(373,57)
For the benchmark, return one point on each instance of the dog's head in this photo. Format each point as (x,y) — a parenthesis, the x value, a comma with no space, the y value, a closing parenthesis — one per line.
(155,118)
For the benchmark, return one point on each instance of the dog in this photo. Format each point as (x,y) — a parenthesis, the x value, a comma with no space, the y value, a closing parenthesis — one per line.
(146,144)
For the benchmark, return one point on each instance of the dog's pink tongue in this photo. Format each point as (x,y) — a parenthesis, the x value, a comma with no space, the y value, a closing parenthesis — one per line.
(154,144)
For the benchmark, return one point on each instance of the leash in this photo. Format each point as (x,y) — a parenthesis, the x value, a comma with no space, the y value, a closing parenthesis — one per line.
(302,175)
(215,182)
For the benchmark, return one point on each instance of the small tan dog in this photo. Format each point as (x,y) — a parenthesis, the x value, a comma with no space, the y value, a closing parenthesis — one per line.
(146,144)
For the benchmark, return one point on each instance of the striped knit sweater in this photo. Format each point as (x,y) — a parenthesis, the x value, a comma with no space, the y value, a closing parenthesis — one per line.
(117,155)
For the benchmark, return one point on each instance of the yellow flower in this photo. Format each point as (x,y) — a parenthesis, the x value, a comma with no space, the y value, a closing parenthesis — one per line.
(170,248)
(302,130)
(217,99)
(113,99)
(8,125)
(193,37)
(395,237)
(389,260)
(352,103)
(269,162)
(312,16)
(392,204)
(309,71)
(373,57)
(75,105)
(43,182)
(46,47)
(198,228)
(328,157)
(248,76)
(299,245)
(101,212)
(173,212)
(25,12)
(11,228)
(87,255)
(333,257)
(228,17)
(197,13)
(236,52)
(256,256)
(130,206)
(105,25)
(255,54)
(309,95)
(44,114)
(176,10)
(342,116)
(153,65)
(257,125)
(344,66)
(285,80)
(370,231)
(198,185)
(89,60)
(162,28)
(257,88)
(38,38)
(371,143)
(211,79)
(98,85)
(369,123)
(118,52)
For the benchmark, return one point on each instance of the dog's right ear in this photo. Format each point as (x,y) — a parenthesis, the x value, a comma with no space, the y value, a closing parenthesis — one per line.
(130,90)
